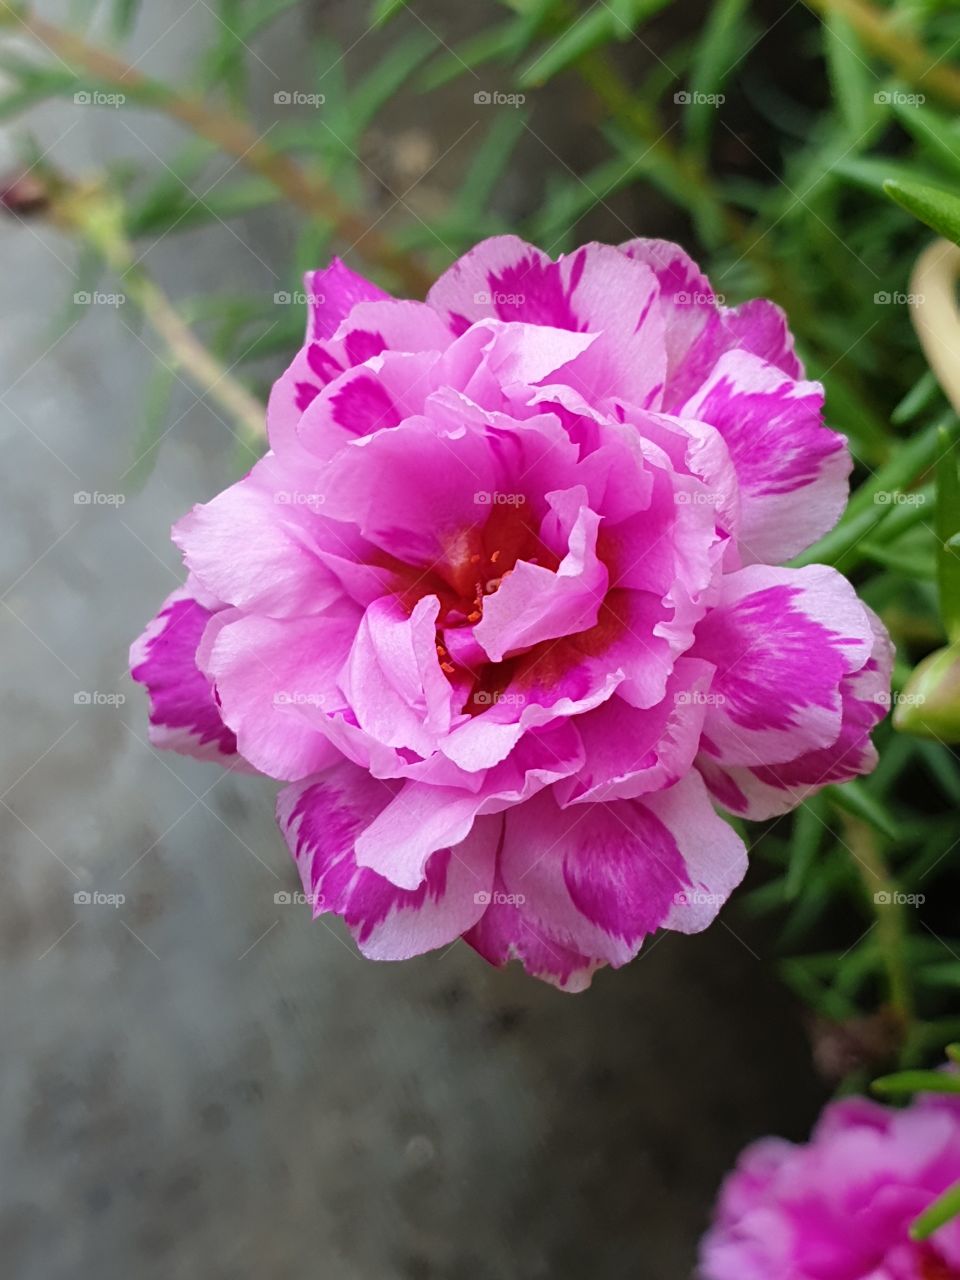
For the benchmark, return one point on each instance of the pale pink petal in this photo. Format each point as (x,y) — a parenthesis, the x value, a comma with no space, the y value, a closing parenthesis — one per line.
(592,290)
(533,603)
(505,933)
(770,790)
(782,640)
(415,491)
(601,878)
(255,545)
(184,715)
(392,679)
(422,818)
(793,471)
(365,399)
(630,752)
(332,293)
(699,329)
(321,819)
(275,677)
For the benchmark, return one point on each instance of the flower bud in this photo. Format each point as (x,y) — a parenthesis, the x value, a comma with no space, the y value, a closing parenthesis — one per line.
(23,194)
(930,703)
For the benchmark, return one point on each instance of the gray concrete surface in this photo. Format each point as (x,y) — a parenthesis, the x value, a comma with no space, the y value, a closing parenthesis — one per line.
(200,1082)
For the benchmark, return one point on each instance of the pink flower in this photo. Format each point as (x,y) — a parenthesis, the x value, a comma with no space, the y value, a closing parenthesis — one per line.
(840,1207)
(500,604)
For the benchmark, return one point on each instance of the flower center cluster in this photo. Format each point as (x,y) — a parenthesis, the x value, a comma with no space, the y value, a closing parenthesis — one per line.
(474,566)
(933,1266)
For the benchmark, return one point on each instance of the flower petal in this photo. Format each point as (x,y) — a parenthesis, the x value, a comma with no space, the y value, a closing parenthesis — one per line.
(770,790)
(595,289)
(332,293)
(184,715)
(255,544)
(321,817)
(782,640)
(503,933)
(601,878)
(793,471)
(275,678)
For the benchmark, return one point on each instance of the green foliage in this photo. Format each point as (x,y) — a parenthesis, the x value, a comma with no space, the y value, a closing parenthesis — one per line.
(938,209)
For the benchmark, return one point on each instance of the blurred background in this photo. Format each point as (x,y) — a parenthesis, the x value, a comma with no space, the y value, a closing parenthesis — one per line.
(197,1080)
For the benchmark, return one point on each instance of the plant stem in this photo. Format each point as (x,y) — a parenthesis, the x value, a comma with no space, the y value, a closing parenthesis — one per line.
(881,892)
(97,215)
(884,36)
(233,136)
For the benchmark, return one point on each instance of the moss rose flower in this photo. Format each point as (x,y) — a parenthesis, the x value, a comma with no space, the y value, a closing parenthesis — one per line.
(501,605)
(840,1207)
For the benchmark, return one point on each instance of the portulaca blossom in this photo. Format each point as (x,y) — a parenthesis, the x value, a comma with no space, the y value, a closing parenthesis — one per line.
(840,1207)
(502,605)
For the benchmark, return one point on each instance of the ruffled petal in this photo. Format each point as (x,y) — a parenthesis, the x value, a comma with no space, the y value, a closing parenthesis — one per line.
(782,641)
(320,819)
(770,790)
(793,472)
(184,715)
